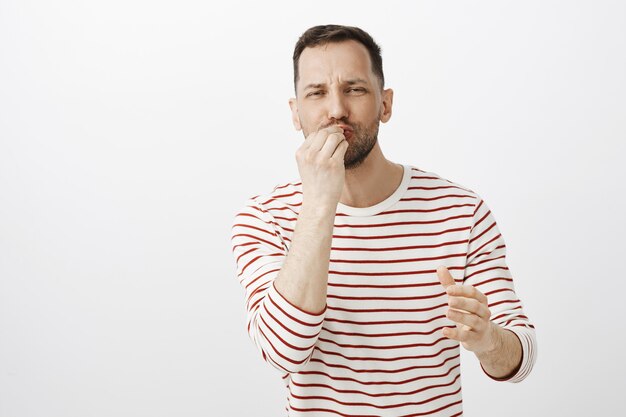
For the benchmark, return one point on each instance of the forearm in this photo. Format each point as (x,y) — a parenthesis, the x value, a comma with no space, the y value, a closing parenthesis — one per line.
(505,358)
(303,278)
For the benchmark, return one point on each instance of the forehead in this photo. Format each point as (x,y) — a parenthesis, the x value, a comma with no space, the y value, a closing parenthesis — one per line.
(334,61)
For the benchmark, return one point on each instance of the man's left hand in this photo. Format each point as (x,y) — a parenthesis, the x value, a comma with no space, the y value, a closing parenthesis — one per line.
(468,308)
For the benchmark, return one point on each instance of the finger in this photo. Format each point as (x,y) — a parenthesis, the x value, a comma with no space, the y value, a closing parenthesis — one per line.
(332,141)
(444,277)
(466,291)
(469,305)
(317,139)
(457,334)
(312,141)
(340,151)
(469,321)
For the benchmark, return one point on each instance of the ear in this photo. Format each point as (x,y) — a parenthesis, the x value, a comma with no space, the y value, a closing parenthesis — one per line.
(385,111)
(295,119)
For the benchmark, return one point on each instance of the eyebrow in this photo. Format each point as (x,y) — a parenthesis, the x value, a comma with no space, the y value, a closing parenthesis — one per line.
(351,81)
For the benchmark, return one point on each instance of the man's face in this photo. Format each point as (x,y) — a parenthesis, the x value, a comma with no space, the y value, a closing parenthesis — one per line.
(336,86)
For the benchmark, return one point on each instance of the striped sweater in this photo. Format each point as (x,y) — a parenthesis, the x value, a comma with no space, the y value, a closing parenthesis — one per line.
(377,348)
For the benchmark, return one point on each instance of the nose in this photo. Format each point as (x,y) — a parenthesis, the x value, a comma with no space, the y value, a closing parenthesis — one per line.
(337,106)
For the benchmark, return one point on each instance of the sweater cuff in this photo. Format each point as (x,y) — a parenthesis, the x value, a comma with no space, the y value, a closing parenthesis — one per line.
(526,337)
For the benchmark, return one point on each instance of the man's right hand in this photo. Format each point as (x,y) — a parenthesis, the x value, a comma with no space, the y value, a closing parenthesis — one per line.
(321,165)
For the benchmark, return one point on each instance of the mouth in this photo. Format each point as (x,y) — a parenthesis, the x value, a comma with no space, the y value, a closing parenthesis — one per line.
(348,132)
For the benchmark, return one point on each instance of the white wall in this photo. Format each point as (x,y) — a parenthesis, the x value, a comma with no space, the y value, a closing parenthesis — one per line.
(131,131)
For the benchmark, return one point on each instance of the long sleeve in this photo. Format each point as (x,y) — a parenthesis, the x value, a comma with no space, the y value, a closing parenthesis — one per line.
(486,269)
(284,334)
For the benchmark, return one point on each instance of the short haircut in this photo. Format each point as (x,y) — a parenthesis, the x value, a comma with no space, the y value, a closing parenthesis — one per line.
(324,34)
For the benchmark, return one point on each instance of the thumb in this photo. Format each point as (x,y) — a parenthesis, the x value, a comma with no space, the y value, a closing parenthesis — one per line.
(444,277)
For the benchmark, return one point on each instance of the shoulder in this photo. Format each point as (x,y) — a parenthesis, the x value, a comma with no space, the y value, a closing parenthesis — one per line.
(422,180)
(284,198)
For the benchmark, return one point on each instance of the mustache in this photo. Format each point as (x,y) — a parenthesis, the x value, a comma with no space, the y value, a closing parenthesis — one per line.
(339,123)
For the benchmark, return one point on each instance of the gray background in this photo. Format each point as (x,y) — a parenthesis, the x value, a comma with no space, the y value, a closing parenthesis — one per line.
(131,132)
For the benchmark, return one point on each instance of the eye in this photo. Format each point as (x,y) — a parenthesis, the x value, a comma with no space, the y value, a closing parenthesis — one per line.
(315,93)
(356,90)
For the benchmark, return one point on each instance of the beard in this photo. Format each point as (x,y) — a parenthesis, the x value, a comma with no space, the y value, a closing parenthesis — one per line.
(360,145)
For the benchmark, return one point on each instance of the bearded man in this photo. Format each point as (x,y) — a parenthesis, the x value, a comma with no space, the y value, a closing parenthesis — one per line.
(363,278)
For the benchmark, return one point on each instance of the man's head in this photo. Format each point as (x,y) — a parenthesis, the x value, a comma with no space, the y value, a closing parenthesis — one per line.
(339,81)
(324,34)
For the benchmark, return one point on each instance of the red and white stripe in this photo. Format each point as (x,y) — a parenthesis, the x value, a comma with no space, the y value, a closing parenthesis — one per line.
(377,349)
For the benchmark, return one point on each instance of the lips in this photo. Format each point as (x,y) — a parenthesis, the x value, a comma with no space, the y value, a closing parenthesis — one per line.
(348,132)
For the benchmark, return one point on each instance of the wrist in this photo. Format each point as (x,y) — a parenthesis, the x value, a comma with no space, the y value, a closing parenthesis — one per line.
(495,341)
(318,208)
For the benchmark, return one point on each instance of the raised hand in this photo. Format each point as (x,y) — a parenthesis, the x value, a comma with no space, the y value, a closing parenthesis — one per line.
(468,308)
(321,165)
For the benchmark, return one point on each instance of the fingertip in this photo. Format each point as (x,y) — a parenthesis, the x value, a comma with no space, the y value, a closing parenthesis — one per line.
(447,332)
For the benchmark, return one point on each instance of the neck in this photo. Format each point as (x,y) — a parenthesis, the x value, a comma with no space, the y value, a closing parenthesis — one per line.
(371,182)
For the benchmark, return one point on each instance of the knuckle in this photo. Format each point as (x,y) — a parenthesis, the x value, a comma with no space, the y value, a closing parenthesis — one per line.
(335,137)
(473,290)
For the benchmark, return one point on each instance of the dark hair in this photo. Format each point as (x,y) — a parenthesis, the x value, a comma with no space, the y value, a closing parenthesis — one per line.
(323,34)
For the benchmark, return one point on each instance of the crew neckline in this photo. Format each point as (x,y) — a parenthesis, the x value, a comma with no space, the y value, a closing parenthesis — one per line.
(383,205)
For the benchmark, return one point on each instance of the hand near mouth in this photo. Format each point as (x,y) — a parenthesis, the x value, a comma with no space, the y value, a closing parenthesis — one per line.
(321,165)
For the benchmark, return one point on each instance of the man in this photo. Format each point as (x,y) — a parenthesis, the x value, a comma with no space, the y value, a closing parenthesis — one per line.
(363,279)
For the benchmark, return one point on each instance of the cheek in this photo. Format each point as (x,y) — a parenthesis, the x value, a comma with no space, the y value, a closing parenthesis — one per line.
(305,126)
(309,120)
(308,127)
(371,109)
